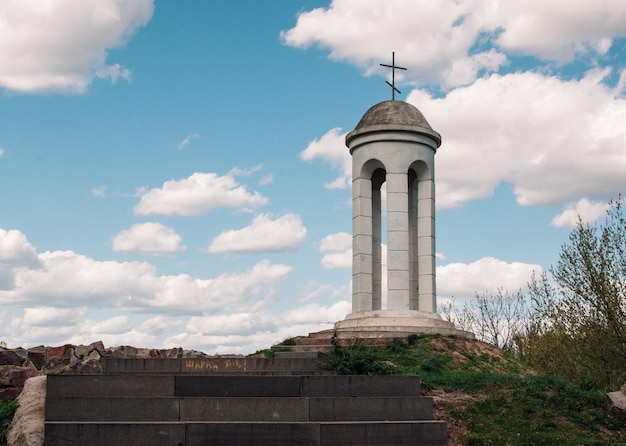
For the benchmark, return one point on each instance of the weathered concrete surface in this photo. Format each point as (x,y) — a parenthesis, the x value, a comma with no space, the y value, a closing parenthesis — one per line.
(116,434)
(244,409)
(105,408)
(27,427)
(238,386)
(110,385)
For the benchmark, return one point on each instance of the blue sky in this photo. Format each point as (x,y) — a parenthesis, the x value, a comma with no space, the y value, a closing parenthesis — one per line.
(175,174)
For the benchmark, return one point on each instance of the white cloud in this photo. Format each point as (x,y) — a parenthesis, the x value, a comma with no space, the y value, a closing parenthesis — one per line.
(313,312)
(61,46)
(196,195)
(263,235)
(114,325)
(234,323)
(52,317)
(185,142)
(332,149)
(1,152)
(559,30)
(16,251)
(587,211)
(267,179)
(99,192)
(486,274)
(434,39)
(337,250)
(73,280)
(450,43)
(149,238)
(554,140)
(245,171)
(236,332)
(159,325)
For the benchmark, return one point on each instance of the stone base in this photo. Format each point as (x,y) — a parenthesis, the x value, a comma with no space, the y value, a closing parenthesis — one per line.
(394,324)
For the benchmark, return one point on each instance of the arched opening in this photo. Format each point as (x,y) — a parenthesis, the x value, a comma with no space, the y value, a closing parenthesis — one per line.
(421,209)
(378,179)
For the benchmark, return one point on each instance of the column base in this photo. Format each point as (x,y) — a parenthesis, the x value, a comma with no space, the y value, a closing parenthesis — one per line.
(395,323)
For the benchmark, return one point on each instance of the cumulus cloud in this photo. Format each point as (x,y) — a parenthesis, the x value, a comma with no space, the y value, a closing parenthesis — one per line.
(560,30)
(196,195)
(52,317)
(434,38)
(247,332)
(584,209)
(554,140)
(61,46)
(265,234)
(159,325)
(16,251)
(114,325)
(337,250)
(234,323)
(454,42)
(149,238)
(313,290)
(242,331)
(74,280)
(332,149)
(486,274)
(1,152)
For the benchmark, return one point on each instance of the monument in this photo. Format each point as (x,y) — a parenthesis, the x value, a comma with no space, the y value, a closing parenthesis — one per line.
(393,144)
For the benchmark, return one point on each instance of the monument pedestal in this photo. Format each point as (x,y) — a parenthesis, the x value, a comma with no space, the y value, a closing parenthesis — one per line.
(394,324)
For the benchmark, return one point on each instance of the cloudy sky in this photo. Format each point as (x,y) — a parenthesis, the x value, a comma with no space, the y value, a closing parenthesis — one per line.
(175,174)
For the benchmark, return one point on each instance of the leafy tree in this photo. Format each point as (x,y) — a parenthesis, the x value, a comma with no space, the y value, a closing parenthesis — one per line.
(579,325)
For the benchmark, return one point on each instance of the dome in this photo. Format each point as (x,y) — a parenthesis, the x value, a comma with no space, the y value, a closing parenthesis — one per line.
(394,115)
(391,113)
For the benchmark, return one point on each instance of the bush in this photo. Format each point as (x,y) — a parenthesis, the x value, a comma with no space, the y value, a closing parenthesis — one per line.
(357,359)
(7,410)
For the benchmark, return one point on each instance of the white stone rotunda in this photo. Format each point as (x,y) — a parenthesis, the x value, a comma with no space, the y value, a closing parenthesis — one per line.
(393,144)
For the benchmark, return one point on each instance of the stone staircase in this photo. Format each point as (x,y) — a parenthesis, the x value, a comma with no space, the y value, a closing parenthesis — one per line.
(236,402)
(322,341)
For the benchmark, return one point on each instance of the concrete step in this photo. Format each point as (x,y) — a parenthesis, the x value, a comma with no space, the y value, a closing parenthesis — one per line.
(426,433)
(282,365)
(322,341)
(64,386)
(235,409)
(137,409)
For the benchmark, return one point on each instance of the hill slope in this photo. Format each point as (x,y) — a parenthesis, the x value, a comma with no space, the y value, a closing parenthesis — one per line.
(489,397)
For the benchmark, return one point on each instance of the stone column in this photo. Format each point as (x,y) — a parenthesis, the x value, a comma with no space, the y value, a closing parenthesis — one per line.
(426,246)
(398,295)
(361,244)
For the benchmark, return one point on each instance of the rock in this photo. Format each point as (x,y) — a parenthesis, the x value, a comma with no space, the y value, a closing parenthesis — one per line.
(16,356)
(37,356)
(89,365)
(83,351)
(12,379)
(616,402)
(56,352)
(27,427)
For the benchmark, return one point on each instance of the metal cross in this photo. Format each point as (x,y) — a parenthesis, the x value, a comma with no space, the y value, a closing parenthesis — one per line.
(393,67)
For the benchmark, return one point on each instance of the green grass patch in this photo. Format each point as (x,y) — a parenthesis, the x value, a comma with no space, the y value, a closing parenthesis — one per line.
(510,404)
(7,410)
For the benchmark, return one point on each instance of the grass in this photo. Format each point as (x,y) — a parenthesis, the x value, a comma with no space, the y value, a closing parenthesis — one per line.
(506,402)
(7,409)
